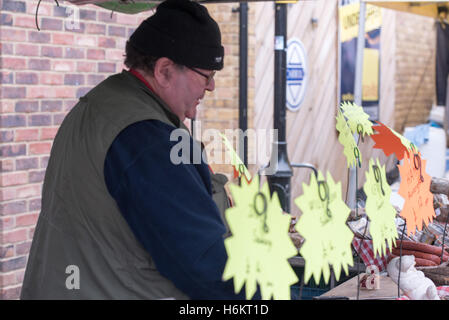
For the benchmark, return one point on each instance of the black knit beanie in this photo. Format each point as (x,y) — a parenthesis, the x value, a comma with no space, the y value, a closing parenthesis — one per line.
(183,31)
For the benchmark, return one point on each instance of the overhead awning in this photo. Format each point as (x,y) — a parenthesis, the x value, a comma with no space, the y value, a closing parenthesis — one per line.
(136,6)
(423,8)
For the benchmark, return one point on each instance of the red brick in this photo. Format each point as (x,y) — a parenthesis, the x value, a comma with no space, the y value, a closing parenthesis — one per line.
(14,6)
(52,52)
(94,79)
(95,28)
(28,191)
(65,92)
(27,163)
(39,120)
(51,24)
(6,251)
(48,133)
(5,19)
(14,207)
(45,8)
(13,35)
(73,79)
(88,14)
(10,293)
(6,223)
(51,78)
(58,118)
(8,279)
(85,66)
(63,38)
(13,264)
(86,41)
(24,21)
(39,37)
(26,106)
(80,92)
(106,42)
(9,121)
(29,50)
(36,176)
(13,179)
(35,204)
(26,78)
(39,64)
(27,134)
(74,53)
(51,105)
(106,67)
(95,54)
(127,19)
(13,92)
(6,77)
(15,236)
(13,63)
(115,55)
(7,106)
(117,31)
(26,220)
(6,165)
(6,48)
(107,17)
(40,148)
(31,233)
(6,136)
(13,150)
(21,249)
(66,66)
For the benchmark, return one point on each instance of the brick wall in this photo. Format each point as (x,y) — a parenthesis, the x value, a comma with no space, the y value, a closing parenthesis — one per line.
(42,74)
(415,69)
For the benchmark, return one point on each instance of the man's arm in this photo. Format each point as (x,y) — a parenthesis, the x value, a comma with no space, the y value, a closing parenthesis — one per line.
(170,210)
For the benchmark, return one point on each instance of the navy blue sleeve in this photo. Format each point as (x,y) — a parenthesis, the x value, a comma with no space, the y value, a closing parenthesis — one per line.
(170,209)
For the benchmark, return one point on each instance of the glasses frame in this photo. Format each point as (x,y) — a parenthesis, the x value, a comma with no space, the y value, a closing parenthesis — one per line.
(208,77)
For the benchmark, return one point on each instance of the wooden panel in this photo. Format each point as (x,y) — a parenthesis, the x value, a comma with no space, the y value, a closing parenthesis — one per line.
(311,133)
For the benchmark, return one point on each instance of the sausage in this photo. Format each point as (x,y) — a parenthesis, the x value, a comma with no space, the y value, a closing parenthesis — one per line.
(418,254)
(419,262)
(424,263)
(423,247)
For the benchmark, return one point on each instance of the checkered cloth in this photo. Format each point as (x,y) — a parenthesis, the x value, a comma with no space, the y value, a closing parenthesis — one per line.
(365,249)
(442,291)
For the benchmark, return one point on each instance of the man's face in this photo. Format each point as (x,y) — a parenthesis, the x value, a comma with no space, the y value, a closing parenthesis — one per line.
(189,87)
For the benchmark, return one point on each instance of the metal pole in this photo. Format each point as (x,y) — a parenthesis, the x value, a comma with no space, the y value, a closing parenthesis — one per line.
(280,180)
(243,81)
(352,189)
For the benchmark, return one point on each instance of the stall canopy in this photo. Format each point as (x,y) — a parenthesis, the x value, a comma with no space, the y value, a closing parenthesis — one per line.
(424,8)
(136,6)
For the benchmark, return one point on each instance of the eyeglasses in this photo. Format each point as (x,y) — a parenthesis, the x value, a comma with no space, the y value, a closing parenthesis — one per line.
(208,77)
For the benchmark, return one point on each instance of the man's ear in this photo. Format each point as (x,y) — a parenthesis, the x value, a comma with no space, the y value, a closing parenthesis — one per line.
(163,71)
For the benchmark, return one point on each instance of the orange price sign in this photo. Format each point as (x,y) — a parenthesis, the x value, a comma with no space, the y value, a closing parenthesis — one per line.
(389,141)
(415,189)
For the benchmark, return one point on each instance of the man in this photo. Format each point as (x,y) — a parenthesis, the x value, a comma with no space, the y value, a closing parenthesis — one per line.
(119,219)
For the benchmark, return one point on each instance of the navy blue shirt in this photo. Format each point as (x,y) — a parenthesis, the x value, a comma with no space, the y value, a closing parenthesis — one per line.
(170,209)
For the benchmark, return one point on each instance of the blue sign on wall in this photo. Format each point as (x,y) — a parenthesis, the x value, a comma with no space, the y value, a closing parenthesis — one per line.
(296,74)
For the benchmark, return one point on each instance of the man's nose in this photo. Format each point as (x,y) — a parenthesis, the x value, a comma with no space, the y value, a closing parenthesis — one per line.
(211,85)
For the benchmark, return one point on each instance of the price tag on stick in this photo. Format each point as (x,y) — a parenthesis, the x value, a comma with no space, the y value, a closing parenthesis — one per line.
(350,149)
(323,227)
(379,209)
(259,247)
(358,120)
(415,189)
